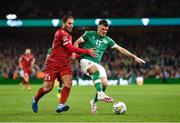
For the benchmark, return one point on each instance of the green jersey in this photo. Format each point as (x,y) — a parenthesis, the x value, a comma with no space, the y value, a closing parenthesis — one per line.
(93,40)
(49,51)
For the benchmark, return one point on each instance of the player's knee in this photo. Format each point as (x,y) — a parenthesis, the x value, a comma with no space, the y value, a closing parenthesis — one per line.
(68,83)
(105,84)
(47,87)
(92,69)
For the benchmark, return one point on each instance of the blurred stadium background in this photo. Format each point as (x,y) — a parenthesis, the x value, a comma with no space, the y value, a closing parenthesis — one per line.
(158,45)
(148,28)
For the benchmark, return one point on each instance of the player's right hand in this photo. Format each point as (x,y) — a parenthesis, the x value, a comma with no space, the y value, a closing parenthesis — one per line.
(139,60)
(92,52)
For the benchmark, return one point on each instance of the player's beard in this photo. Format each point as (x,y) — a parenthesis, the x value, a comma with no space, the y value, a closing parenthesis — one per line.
(69,29)
(102,34)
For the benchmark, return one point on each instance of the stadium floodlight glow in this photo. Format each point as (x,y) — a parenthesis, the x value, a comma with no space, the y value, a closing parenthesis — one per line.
(145,21)
(92,22)
(109,21)
(11,16)
(14,23)
(98,19)
(55,22)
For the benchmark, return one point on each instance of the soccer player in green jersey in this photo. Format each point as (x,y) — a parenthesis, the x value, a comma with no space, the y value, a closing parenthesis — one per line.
(91,67)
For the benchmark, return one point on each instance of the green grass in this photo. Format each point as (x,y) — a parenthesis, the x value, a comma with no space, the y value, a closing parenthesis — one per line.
(148,103)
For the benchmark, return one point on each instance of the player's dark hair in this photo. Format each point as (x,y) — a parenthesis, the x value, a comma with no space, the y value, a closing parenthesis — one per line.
(103,22)
(66,17)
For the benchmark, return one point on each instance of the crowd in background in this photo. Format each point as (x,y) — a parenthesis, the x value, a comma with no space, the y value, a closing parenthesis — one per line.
(160,49)
(90,9)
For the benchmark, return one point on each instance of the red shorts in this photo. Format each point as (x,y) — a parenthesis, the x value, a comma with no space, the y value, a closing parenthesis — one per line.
(26,72)
(53,71)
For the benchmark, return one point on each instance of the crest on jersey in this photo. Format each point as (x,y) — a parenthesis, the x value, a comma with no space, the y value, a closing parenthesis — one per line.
(65,38)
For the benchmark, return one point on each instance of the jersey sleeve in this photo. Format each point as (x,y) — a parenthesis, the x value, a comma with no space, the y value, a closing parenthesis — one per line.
(112,43)
(86,35)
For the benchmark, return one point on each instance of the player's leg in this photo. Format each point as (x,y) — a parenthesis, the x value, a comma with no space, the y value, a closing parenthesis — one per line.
(66,77)
(47,87)
(103,77)
(91,69)
(21,74)
(95,75)
(59,88)
(93,102)
(104,86)
(26,80)
(23,84)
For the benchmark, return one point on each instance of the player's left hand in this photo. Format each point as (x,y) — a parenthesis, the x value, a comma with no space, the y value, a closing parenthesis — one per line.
(139,60)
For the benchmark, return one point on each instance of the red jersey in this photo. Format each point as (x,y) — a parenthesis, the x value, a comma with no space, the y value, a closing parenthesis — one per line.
(26,60)
(60,53)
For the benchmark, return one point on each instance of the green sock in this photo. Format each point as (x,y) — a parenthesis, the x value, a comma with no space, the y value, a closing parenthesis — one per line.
(95,98)
(97,81)
(98,86)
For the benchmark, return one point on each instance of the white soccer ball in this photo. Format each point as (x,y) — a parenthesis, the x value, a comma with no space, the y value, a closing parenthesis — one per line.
(119,108)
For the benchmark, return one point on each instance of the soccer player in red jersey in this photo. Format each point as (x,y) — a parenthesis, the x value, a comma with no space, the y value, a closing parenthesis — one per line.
(59,64)
(26,61)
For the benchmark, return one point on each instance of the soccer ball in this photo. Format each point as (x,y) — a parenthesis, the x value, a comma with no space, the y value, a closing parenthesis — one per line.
(119,108)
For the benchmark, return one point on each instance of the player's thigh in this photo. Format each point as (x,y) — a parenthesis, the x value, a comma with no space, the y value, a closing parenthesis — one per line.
(92,69)
(67,80)
(88,67)
(66,75)
(49,79)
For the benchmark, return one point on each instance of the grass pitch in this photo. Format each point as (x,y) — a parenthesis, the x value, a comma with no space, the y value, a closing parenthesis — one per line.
(147,103)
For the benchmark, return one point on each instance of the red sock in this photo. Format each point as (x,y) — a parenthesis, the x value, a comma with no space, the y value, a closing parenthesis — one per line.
(64,94)
(39,94)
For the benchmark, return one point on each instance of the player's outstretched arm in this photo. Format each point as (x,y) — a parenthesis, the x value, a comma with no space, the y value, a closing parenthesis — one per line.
(90,51)
(127,53)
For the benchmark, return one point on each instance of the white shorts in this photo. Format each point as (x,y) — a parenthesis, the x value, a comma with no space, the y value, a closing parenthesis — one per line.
(85,64)
(21,73)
